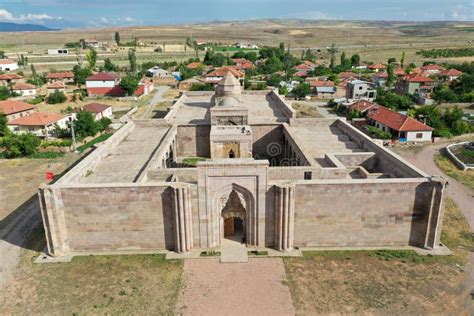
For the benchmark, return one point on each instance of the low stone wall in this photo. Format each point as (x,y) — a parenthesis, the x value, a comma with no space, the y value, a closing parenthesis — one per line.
(281,103)
(93,159)
(461,165)
(173,175)
(175,108)
(388,162)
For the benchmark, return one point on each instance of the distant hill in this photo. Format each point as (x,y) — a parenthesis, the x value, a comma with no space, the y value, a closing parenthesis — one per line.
(16,27)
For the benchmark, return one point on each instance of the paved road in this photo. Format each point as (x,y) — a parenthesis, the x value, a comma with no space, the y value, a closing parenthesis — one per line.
(157,98)
(463,196)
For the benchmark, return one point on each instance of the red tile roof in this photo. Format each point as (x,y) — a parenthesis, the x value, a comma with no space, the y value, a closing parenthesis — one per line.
(303,67)
(318,83)
(55,85)
(103,76)
(60,75)
(221,72)
(12,106)
(399,72)
(395,120)
(377,66)
(361,106)
(96,107)
(450,73)
(310,63)
(382,75)
(347,74)
(417,78)
(301,74)
(243,63)
(194,65)
(7,62)
(432,67)
(37,119)
(10,77)
(23,86)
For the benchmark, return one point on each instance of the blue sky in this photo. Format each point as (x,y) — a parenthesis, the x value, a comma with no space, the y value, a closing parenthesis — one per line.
(104,13)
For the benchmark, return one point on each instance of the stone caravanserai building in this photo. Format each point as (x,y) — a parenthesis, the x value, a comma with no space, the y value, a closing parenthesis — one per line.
(273,179)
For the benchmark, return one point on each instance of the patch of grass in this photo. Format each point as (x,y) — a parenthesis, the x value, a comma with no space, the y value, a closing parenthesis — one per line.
(96,140)
(192,161)
(129,284)
(464,177)
(258,253)
(210,253)
(303,110)
(46,155)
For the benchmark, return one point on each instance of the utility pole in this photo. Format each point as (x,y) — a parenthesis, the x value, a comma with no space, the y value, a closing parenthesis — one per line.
(73,136)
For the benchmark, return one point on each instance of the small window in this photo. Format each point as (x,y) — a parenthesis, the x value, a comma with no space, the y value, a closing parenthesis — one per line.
(308,175)
(231,154)
(360,88)
(419,135)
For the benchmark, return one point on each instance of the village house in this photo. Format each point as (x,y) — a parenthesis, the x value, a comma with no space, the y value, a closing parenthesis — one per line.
(194,65)
(450,75)
(243,64)
(379,79)
(402,127)
(304,69)
(218,74)
(8,65)
(358,89)
(429,70)
(55,86)
(14,109)
(92,43)
(40,124)
(103,84)
(58,51)
(144,87)
(6,79)
(361,106)
(25,89)
(188,83)
(414,83)
(158,72)
(65,76)
(323,89)
(377,67)
(99,110)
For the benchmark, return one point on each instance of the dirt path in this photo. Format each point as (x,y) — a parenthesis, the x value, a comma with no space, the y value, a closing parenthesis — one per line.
(158,97)
(254,288)
(463,197)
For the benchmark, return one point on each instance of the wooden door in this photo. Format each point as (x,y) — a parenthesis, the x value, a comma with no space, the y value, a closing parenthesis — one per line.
(229,227)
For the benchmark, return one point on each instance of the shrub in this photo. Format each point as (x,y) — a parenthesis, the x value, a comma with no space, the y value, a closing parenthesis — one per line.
(104,123)
(201,87)
(46,155)
(56,97)
(20,145)
(378,133)
(56,143)
(97,140)
(37,100)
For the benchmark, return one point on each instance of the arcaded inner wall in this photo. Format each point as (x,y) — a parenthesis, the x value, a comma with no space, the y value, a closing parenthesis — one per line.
(361,213)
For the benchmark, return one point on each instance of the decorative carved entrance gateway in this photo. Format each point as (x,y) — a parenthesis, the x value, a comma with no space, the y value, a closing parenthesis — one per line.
(233,217)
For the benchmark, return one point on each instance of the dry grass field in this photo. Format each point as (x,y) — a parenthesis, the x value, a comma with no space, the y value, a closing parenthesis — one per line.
(464,177)
(374,41)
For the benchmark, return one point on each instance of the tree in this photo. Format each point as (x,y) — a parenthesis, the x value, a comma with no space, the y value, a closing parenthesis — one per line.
(391,60)
(132,59)
(402,60)
(109,66)
(2,54)
(85,125)
(117,38)
(332,50)
(3,124)
(80,74)
(274,80)
(391,76)
(56,97)
(104,123)
(5,93)
(91,57)
(20,145)
(302,90)
(355,60)
(129,84)
(82,43)
(309,55)
(34,75)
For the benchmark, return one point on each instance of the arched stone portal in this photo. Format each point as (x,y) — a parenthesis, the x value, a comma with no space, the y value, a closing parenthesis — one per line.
(233,218)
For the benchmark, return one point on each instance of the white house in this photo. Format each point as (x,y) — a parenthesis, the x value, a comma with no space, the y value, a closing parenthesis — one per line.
(8,65)
(25,89)
(402,127)
(99,110)
(158,72)
(58,51)
(56,86)
(40,124)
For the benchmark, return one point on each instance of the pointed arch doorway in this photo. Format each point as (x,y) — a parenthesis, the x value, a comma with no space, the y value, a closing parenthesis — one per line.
(234,219)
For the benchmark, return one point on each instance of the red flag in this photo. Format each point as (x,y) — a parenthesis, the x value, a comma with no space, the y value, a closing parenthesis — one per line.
(49,175)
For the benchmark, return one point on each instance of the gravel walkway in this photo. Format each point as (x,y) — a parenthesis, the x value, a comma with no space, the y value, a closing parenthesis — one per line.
(254,288)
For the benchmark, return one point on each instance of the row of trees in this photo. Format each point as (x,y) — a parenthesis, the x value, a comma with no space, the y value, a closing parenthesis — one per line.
(447,52)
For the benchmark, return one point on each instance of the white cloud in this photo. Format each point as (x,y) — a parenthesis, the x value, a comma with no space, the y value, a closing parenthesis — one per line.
(129,19)
(7,16)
